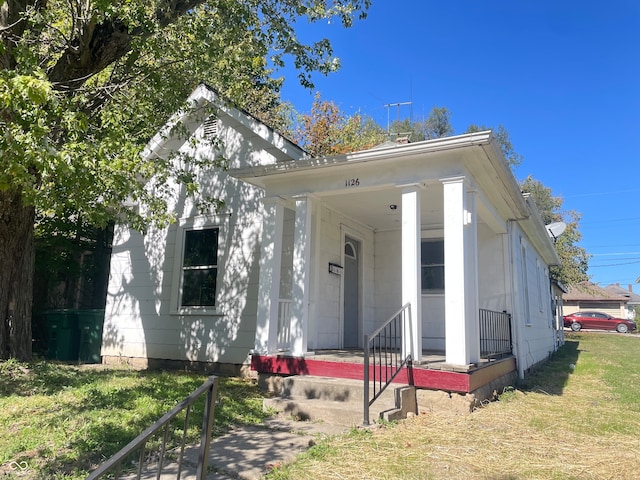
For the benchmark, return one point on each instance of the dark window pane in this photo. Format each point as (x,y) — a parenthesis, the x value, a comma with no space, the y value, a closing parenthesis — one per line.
(349,251)
(432,261)
(199,268)
(432,252)
(199,287)
(201,247)
(433,278)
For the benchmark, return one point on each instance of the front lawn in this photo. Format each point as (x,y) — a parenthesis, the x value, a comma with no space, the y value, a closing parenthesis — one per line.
(60,421)
(576,418)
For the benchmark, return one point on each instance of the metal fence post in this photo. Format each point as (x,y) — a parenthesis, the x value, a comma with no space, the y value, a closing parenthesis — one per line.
(365,421)
(207,427)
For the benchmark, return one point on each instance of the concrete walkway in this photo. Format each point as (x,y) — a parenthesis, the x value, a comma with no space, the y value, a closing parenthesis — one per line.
(250,452)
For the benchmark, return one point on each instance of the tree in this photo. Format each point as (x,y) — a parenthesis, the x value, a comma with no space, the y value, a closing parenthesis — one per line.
(83,85)
(436,125)
(326,130)
(502,135)
(574,259)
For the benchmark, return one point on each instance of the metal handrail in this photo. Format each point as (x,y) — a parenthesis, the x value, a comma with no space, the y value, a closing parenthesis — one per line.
(114,464)
(384,345)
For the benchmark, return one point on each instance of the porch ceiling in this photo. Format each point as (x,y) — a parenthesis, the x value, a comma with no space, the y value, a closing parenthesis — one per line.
(375,208)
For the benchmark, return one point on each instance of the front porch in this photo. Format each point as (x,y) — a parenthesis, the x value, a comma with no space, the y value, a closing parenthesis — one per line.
(431,373)
(386,351)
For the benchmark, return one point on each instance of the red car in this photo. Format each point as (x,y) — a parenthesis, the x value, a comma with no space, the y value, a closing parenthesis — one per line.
(598,321)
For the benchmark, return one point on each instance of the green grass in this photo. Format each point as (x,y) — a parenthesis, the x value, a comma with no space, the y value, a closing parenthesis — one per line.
(60,421)
(574,418)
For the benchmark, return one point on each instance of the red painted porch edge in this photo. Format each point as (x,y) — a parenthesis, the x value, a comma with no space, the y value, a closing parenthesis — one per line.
(422,378)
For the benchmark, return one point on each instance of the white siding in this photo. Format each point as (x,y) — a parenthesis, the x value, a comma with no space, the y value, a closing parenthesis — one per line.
(533,323)
(328,324)
(141,319)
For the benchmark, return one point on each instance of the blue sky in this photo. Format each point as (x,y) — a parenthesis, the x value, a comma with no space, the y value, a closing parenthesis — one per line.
(563,77)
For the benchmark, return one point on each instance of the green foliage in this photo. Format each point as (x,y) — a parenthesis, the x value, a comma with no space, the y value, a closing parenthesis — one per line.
(84,85)
(574,259)
(436,125)
(326,130)
(504,140)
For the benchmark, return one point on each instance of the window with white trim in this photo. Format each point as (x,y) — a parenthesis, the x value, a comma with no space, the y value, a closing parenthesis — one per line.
(199,269)
(432,265)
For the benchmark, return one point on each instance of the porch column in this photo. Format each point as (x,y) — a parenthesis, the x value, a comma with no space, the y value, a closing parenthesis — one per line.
(270,267)
(462,340)
(301,275)
(411,289)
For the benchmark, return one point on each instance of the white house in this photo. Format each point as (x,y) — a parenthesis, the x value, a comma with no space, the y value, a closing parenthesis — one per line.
(310,254)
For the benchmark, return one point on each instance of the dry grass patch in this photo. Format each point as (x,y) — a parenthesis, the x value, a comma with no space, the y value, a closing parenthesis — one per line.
(561,424)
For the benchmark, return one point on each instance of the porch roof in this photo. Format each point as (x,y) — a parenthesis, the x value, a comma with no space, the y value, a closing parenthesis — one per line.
(479,152)
(383,169)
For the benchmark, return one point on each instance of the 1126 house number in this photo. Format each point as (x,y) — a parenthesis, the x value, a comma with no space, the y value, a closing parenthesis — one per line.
(352,182)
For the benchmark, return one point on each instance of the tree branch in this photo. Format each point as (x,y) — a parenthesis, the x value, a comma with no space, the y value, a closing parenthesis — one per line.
(97,45)
(13,25)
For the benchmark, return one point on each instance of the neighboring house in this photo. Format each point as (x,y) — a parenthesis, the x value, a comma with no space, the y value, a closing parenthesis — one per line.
(589,296)
(311,254)
(633,298)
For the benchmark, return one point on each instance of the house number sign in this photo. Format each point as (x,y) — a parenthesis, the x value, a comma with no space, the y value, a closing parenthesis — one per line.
(352,182)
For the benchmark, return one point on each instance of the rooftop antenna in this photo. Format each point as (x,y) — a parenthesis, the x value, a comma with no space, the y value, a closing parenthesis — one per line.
(388,106)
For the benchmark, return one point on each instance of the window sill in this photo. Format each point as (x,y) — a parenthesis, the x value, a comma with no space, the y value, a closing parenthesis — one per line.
(192,312)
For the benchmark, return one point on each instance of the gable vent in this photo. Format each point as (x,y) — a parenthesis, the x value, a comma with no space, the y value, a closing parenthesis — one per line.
(210,127)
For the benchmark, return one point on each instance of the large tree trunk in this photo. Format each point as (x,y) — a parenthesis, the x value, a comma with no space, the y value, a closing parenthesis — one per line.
(17,256)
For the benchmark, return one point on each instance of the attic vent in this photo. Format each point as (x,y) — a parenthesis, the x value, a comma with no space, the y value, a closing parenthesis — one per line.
(211,127)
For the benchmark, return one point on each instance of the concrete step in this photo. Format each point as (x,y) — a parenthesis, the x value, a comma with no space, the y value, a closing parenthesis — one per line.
(320,388)
(334,400)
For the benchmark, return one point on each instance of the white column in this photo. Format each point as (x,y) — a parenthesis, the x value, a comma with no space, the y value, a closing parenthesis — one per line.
(462,342)
(270,267)
(301,275)
(472,314)
(411,288)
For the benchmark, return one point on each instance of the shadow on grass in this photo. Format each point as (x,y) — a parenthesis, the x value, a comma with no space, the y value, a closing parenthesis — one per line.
(98,411)
(553,376)
(49,377)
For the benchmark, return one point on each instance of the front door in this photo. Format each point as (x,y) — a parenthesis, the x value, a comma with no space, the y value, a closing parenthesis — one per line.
(351,293)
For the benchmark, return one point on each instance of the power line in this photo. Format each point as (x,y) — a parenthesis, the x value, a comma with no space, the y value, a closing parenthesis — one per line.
(614,264)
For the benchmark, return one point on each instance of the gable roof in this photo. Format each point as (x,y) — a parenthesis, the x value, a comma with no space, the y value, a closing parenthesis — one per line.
(198,108)
(591,292)
(633,297)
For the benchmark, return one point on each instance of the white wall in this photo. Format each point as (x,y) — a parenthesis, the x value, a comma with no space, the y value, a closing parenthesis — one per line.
(532,315)
(493,271)
(388,291)
(328,308)
(388,277)
(142,318)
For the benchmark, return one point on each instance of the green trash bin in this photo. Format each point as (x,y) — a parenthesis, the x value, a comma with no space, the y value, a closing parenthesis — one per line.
(90,323)
(63,334)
